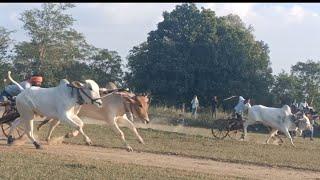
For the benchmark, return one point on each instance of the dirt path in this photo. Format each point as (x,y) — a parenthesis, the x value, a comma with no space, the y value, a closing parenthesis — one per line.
(167,161)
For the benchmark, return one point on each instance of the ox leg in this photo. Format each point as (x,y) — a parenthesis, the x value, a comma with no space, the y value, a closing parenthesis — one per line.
(130,116)
(286,132)
(311,135)
(53,124)
(43,123)
(29,131)
(115,125)
(134,129)
(272,134)
(77,123)
(245,126)
(12,128)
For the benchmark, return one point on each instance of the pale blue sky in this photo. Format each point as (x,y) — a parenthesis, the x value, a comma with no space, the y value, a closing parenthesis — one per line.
(290,29)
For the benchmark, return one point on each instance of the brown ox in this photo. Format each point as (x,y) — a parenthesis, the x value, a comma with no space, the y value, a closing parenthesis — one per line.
(116,105)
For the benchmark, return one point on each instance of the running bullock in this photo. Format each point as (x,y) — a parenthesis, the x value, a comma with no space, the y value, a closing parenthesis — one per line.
(115,106)
(277,118)
(62,102)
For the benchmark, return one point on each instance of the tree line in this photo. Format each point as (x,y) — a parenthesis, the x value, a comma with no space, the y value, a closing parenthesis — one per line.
(191,52)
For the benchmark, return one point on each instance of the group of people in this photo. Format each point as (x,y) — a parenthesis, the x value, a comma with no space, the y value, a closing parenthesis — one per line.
(238,109)
(10,91)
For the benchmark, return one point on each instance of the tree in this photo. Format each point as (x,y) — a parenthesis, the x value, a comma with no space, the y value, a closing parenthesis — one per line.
(107,67)
(286,89)
(5,42)
(308,74)
(193,52)
(54,43)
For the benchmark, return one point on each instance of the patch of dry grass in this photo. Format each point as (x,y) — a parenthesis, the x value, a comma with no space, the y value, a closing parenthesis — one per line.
(305,156)
(37,165)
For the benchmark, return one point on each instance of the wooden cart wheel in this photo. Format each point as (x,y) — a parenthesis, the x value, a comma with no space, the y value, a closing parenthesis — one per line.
(17,133)
(235,131)
(219,128)
(5,127)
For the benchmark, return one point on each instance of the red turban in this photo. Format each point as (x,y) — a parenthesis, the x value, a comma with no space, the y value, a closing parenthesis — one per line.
(36,79)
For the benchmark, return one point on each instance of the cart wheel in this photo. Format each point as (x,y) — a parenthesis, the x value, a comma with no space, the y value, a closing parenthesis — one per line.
(219,128)
(17,133)
(235,134)
(236,131)
(5,126)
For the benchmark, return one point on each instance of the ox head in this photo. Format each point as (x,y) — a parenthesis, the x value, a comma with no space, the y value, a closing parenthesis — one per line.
(301,121)
(247,106)
(140,106)
(89,91)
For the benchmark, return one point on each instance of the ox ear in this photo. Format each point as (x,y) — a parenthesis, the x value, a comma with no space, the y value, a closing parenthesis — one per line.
(129,99)
(133,100)
(103,91)
(77,84)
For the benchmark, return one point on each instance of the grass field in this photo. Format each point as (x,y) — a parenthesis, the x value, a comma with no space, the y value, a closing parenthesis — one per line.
(305,156)
(35,165)
(18,164)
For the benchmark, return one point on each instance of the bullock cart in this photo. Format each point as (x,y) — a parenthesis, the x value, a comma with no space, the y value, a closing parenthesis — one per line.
(9,115)
(229,126)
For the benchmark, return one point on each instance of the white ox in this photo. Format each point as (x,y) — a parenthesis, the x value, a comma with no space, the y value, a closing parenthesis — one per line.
(279,119)
(116,106)
(62,102)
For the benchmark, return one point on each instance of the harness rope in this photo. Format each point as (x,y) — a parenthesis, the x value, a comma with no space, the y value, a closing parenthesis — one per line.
(79,97)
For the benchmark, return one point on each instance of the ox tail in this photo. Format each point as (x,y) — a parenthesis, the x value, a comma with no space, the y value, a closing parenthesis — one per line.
(14,82)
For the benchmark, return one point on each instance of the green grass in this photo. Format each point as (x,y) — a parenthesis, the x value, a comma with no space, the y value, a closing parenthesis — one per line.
(37,165)
(305,156)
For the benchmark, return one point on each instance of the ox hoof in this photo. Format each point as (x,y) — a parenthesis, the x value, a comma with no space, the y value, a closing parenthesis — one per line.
(89,143)
(10,140)
(129,149)
(37,145)
(68,135)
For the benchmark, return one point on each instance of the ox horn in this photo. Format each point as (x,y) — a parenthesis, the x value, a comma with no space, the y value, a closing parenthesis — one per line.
(77,84)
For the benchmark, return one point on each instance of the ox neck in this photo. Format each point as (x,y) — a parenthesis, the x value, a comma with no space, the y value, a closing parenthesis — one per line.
(76,90)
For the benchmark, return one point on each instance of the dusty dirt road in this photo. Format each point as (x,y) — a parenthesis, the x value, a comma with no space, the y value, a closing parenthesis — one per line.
(165,161)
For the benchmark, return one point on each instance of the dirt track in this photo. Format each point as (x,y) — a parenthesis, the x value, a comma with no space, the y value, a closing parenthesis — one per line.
(167,161)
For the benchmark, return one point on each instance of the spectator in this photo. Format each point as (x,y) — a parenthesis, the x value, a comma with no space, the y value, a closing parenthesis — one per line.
(303,106)
(214,107)
(194,106)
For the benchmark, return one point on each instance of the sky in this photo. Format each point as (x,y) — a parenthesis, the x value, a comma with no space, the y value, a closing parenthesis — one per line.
(291,30)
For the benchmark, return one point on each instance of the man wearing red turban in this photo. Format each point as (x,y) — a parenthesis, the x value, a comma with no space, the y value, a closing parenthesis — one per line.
(13,90)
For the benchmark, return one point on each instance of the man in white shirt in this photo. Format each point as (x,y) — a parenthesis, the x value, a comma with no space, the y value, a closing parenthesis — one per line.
(13,90)
(303,105)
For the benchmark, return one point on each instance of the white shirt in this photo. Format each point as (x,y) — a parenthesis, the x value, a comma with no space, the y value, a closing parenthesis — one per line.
(195,103)
(239,108)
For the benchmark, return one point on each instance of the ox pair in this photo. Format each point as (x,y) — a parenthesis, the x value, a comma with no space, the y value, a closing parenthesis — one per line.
(57,103)
(116,106)
(279,119)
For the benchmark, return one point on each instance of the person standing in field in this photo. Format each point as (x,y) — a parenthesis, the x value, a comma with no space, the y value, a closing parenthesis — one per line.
(214,107)
(194,106)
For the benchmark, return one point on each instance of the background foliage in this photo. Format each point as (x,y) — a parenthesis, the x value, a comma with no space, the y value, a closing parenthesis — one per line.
(192,52)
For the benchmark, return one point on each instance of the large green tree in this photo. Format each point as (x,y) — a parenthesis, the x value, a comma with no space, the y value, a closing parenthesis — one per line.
(286,89)
(5,42)
(58,51)
(54,43)
(193,52)
(308,74)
